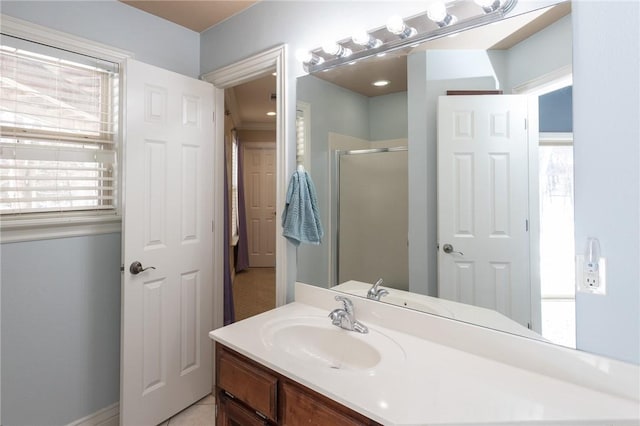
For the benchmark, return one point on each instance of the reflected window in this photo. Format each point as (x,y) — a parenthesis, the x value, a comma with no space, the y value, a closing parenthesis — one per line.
(557,272)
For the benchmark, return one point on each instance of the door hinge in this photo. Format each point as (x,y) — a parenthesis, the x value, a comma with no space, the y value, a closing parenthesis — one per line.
(213,116)
(525,124)
(215,411)
(526,225)
(121,268)
(529,325)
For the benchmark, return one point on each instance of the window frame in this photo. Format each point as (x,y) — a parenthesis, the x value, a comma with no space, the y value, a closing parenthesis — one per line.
(40,226)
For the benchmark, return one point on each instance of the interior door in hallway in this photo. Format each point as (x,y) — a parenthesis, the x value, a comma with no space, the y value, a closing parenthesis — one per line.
(260,202)
(166,359)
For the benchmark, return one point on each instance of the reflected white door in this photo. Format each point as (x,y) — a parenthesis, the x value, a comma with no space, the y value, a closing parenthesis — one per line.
(166,357)
(259,163)
(483,206)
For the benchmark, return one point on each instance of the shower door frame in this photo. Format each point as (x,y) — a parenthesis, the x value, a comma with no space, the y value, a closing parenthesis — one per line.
(335,195)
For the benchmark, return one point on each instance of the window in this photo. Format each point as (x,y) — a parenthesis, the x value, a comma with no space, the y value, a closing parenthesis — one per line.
(303,138)
(557,274)
(234,189)
(59,127)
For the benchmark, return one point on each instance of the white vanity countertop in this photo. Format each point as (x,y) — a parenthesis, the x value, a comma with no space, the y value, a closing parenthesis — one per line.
(443,307)
(435,384)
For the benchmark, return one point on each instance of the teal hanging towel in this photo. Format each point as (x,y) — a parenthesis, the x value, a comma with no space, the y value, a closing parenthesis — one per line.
(301,217)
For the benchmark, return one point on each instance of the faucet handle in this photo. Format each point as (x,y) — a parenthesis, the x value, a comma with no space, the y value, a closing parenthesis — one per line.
(378,283)
(346,303)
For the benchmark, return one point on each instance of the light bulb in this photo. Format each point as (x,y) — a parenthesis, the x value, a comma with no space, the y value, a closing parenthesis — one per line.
(437,11)
(489,5)
(360,37)
(365,39)
(395,24)
(307,57)
(333,48)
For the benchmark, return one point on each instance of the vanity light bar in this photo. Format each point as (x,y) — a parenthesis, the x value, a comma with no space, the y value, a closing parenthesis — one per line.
(397,26)
(365,39)
(489,5)
(404,33)
(438,13)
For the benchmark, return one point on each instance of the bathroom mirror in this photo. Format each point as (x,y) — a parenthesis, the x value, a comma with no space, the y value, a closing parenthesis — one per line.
(363,141)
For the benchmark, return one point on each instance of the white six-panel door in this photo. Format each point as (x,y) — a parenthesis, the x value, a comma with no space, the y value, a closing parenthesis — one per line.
(168,211)
(483,203)
(260,202)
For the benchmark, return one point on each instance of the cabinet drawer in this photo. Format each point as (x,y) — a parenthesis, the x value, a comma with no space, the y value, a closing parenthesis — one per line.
(247,382)
(233,414)
(305,407)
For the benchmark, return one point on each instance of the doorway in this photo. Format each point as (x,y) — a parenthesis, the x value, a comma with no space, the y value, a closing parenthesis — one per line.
(269,61)
(554,246)
(250,145)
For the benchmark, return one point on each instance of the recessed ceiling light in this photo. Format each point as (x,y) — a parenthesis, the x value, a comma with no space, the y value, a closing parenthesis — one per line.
(271,113)
(274,74)
(381,83)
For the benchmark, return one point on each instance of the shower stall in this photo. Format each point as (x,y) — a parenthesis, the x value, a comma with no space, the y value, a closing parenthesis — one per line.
(371,208)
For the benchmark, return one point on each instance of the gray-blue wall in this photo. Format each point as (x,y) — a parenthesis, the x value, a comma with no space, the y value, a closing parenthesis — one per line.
(61,297)
(60,328)
(606,106)
(153,40)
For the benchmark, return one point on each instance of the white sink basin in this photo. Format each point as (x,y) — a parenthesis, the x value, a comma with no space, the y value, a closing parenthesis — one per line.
(314,340)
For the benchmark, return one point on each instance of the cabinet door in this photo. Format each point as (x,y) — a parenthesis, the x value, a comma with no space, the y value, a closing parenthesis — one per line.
(301,407)
(231,413)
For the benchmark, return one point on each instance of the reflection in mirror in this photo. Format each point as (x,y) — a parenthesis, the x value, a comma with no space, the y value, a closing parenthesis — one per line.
(503,203)
(372,217)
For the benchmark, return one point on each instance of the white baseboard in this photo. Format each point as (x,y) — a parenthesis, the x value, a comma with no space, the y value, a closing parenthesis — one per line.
(108,416)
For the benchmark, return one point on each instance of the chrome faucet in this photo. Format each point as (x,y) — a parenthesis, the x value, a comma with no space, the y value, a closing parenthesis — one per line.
(376,293)
(345,317)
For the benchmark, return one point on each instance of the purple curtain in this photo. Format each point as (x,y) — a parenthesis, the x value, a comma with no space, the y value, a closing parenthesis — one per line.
(229,311)
(242,248)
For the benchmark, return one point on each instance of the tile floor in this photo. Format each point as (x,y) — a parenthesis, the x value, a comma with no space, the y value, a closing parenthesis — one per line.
(202,413)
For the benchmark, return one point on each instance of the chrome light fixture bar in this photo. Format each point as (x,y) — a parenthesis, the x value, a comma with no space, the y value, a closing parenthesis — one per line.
(488,5)
(397,26)
(481,17)
(365,39)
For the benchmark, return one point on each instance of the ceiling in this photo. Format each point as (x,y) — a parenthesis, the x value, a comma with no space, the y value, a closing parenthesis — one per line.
(248,103)
(195,15)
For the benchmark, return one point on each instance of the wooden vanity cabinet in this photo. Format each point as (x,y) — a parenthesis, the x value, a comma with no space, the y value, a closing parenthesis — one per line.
(249,394)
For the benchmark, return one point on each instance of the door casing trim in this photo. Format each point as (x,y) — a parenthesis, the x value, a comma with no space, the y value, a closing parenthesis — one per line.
(223,78)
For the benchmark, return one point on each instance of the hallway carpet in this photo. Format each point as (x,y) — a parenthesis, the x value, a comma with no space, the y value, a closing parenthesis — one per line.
(254,292)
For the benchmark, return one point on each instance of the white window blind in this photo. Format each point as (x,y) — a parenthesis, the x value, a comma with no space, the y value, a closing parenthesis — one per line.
(234,189)
(59,127)
(303,134)
(300,136)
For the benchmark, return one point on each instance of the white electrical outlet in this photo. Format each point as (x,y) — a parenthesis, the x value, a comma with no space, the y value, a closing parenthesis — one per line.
(591,278)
